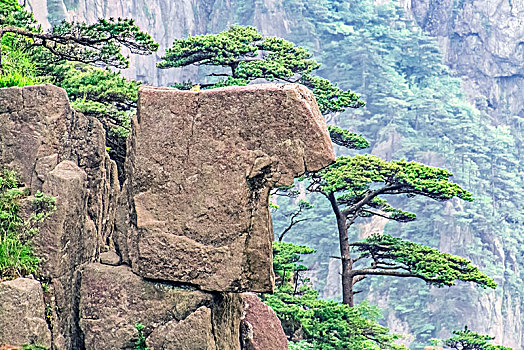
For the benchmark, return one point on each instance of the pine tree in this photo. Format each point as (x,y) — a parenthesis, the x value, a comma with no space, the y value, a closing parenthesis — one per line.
(98,43)
(245,55)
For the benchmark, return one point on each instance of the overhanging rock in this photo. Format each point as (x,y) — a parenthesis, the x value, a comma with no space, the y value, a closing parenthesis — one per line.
(200,165)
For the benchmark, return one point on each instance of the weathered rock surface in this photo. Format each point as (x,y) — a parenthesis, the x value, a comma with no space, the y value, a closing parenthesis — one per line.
(199,170)
(113,299)
(22,314)
(62,153)
(193,213)
(483,43)
(39,130)
(195,332)
(62,243)
(262,326)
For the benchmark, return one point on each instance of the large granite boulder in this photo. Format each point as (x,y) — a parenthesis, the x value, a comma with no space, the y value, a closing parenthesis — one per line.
(113,299)
(261,329)
(22,314)
(193,219)
(194,208)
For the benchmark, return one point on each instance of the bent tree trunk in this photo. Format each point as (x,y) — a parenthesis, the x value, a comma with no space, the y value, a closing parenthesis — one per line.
(347,262)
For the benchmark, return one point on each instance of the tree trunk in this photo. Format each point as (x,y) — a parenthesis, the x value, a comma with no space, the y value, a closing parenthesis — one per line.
(234,69)
(347,262)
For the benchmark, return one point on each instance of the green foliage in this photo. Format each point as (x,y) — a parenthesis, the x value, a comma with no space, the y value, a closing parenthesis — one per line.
(12,14)
(221,49)
(469,340)
(100,42)
(416,260)
(323,324)
(345,138)
(15,79)
(18,68)
(328,324)
(356,175)
(301,345)
(229,81)
(42,206)
(34,347)
(16,253)
(104,95)
(416,110)
(141,341)
(249,56)
(286,257)
(330,98)
(295,216)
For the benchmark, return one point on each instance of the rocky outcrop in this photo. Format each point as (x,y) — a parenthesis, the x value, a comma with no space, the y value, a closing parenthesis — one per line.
(63,244)
(199,171)
(113,299)
(62,153)
(193,221)
(261,328)
(38,131)
(22,314)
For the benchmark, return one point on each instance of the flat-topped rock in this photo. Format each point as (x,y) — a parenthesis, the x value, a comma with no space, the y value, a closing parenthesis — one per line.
(199,170)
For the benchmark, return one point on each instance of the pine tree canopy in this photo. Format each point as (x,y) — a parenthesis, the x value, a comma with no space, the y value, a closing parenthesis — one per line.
(397,257)
(345,138)
(99,43)
(359,180)
(469,340)
(248,56)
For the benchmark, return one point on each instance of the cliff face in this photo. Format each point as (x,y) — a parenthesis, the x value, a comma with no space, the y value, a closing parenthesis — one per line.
(482,42)
(192,221)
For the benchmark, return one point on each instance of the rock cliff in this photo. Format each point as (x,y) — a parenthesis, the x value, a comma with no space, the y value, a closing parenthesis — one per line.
(482,42)
(192,222)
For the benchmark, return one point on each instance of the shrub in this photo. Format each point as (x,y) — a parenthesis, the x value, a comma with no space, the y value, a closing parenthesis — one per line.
(16,252)
(15,79)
